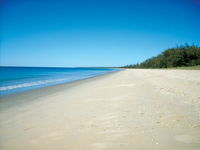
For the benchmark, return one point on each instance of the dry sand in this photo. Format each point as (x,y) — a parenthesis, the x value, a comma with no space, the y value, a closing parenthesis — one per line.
(127,110)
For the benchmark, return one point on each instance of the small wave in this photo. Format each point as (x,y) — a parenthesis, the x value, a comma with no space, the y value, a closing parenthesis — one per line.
(23,85)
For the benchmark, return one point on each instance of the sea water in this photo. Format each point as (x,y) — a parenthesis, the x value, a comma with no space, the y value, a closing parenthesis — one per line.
(18,79)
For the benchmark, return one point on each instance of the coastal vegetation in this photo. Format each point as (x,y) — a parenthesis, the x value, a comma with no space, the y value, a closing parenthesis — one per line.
(187,68)
(181,56)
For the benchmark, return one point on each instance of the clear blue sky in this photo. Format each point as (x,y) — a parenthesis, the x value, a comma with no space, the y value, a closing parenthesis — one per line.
(94,32)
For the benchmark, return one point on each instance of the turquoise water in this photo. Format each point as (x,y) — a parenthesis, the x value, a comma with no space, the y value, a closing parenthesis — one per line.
(19,79)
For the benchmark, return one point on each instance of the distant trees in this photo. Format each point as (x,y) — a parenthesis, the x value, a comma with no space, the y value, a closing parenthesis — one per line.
(173,57)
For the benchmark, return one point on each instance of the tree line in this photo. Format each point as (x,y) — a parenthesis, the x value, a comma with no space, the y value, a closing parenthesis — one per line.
(173,57)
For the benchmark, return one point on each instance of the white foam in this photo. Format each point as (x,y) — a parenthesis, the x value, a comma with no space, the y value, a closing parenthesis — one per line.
(23,85)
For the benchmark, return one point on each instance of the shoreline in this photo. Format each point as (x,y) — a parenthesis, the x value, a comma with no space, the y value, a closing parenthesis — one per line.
(130,109)
(53,76)
(26,96)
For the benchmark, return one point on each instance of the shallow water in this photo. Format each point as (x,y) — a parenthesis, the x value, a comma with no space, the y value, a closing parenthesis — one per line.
(18,79)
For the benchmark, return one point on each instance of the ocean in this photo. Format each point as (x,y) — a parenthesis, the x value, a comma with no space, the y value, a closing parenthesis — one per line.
(19,79)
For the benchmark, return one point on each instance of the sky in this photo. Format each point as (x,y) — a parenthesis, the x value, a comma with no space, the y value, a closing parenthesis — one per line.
(78,33)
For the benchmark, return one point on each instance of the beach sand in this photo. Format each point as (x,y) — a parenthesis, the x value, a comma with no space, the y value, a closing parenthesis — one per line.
(138,109)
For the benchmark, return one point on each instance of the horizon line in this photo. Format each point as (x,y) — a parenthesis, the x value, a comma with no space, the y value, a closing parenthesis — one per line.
(61,66)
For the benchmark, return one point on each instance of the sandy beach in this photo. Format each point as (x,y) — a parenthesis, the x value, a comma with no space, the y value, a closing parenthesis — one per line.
(141,109)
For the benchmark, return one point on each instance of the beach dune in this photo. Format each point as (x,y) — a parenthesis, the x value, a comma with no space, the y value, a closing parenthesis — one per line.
(136,109)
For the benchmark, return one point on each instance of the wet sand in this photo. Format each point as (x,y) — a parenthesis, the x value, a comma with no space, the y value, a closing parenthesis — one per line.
(127,110)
